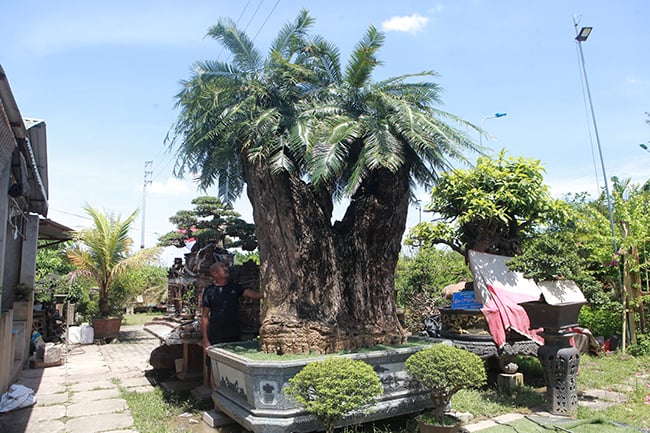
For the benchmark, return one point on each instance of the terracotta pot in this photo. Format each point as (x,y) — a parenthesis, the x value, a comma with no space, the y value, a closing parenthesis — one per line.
(436,428)
(107,329)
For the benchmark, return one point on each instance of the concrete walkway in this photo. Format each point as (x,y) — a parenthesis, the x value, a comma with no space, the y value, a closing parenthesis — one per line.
(82,395)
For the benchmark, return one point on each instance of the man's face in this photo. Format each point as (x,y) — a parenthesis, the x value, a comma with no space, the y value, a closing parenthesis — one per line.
(220,272)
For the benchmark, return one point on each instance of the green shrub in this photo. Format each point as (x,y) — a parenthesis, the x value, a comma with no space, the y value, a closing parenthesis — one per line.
(642,346)
(445,370)
(602,321)
(334,387)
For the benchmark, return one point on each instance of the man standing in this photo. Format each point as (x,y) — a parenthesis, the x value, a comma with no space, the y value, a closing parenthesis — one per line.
(220,308)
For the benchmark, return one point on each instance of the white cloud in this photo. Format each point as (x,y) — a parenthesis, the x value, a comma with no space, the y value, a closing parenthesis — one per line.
(172,186)
(412,24)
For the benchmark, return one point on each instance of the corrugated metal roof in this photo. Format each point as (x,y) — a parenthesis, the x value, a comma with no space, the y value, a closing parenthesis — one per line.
(32,143)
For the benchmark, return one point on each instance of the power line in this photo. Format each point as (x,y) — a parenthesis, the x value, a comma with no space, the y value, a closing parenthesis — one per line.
(267,18)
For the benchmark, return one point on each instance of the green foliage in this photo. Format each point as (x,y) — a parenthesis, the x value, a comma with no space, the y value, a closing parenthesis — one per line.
(429,270)
(102,253)
(420,278)
(332,388)
(641,347)
(52,266)
(300,112)
(491,207)
(444,370)
(149,281)
(602,321)
(243,257)
(210,221)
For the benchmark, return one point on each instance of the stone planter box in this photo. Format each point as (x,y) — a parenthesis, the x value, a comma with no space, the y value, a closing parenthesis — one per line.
(251,391)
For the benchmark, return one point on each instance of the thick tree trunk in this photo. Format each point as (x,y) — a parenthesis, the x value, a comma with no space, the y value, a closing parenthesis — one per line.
(327,287)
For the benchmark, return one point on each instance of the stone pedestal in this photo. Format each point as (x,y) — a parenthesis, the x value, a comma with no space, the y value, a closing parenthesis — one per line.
(510,382)
(560,362)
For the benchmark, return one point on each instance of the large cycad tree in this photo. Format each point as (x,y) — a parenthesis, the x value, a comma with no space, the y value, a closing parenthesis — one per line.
(301,132)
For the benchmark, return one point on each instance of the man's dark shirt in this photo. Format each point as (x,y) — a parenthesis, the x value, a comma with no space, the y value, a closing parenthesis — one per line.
(223,302)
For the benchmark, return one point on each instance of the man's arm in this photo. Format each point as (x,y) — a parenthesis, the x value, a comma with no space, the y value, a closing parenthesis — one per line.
(205,321)
(253,294)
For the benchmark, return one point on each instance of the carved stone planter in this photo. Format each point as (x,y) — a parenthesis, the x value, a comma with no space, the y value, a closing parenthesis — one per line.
(251,391)
(552,317)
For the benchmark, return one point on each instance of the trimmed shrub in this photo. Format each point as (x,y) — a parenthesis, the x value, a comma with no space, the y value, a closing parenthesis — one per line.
(445,370)
(335,387)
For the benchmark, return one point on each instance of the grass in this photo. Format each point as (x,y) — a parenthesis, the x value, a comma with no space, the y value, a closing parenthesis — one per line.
(158,412)
(531,425)
(139,318)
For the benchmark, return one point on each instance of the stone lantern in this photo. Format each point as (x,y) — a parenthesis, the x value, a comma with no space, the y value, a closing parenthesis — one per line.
(556,312)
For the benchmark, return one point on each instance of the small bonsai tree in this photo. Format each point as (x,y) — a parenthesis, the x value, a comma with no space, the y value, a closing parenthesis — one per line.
(332,388)
(445,370)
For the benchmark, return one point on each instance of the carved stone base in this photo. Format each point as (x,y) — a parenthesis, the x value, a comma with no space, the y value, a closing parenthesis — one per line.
(560,362)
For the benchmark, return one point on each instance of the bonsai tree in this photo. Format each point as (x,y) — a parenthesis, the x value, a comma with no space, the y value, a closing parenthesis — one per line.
(102,253)
(210,221)
(332,388)
(299,131)
(445,370)
(491,208)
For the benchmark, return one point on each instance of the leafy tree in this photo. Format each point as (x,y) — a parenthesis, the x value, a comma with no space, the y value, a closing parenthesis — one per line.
(148,281)
(210,221)
(102,253)
(51,268)
(491,207)
(300,132)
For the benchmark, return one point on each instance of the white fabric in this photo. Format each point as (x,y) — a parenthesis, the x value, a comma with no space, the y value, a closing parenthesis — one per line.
(74,335)
(87,334)
(558,292)
(492,269)
(16,397)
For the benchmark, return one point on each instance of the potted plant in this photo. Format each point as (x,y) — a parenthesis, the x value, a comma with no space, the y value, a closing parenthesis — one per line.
(102,253)
(335,387)
(444,370)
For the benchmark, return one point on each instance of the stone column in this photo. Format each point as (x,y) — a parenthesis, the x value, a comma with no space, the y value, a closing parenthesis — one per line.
(560,362)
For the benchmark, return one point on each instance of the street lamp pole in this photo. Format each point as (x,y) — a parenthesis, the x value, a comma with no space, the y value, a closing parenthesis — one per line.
(480,133)
(581,36)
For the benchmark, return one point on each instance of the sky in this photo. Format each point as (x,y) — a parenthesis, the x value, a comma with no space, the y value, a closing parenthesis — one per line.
(104,75)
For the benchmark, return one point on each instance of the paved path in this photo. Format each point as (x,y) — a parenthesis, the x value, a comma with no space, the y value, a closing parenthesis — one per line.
(82,395)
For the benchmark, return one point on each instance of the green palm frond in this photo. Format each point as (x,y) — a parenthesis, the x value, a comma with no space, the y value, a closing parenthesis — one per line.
(238,43)
(290,37)
(363,60)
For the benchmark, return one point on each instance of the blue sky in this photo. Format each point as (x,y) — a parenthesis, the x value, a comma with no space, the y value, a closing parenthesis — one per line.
(103,76)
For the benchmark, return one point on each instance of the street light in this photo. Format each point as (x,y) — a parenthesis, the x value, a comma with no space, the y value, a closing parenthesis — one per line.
(582,36)
(480,134)
(644,147)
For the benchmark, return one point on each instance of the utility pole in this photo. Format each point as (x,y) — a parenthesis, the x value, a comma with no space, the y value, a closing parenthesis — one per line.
(147,181)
